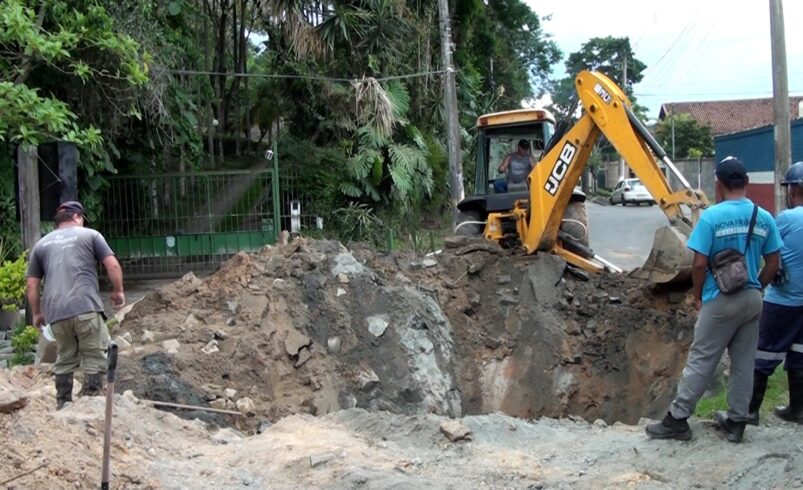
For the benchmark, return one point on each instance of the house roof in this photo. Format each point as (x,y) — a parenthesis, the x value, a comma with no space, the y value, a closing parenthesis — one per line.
(730,116)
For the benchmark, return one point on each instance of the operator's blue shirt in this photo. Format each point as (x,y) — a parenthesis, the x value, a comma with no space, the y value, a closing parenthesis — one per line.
(724,226)
(790,226)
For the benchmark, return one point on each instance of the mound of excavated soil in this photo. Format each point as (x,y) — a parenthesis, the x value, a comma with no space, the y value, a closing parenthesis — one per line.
(312,327)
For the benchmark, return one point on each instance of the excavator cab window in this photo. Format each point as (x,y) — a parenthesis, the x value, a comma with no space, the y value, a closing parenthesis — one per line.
(499,145)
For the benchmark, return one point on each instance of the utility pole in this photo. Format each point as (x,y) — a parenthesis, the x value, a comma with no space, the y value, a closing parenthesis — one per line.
(622,167)
(780,98)
(456,192)
(28,165)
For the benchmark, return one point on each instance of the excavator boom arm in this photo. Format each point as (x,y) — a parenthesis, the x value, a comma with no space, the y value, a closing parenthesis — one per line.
(606,111)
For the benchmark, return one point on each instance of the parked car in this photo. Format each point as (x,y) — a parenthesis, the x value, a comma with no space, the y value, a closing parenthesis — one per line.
(630,191)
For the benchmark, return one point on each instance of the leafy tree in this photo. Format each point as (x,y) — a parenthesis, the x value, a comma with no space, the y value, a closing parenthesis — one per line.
(54,53)
(691,138)
(606,55)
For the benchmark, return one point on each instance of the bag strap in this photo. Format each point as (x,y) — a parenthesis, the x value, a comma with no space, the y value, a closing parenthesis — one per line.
(750,230)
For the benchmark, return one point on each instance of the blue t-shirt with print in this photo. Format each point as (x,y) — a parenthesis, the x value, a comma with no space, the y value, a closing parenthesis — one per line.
(724,226)
(790,226)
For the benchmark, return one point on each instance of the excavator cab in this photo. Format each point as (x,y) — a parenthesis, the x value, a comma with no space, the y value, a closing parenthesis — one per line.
(498,135)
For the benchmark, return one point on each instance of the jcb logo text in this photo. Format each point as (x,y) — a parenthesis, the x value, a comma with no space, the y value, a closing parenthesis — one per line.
(560,169)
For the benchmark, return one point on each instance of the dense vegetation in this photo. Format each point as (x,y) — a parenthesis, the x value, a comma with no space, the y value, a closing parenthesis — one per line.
(150,86)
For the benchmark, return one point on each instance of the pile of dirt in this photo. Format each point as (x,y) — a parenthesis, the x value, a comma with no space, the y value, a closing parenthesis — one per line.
(312,327)
(355,448)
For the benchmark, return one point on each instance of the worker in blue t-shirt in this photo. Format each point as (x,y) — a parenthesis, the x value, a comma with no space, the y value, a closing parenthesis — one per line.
(781,327)
(725,321)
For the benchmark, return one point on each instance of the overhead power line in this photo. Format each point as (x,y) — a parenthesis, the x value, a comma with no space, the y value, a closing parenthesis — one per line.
(302,77)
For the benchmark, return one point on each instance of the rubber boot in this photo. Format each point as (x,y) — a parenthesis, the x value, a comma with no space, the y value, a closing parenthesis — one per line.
(669,428)
(794,411)
(63,390)
(734,431)
(93,383)
(759,388)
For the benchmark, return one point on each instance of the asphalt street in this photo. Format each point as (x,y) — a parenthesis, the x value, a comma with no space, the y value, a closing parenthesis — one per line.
(623,235)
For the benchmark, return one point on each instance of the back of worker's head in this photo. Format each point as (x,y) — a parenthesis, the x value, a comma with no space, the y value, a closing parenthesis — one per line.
(731,174)
(793,181)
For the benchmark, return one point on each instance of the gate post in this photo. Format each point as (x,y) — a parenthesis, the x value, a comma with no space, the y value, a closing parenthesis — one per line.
(277,210)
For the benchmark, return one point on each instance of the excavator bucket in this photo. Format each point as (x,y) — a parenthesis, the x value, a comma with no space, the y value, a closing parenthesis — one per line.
(669,261)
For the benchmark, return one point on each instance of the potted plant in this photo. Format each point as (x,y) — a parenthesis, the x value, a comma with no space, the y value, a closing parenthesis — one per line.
(12,291)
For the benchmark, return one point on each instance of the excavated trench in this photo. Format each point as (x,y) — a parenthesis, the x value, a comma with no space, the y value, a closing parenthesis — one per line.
(313,327)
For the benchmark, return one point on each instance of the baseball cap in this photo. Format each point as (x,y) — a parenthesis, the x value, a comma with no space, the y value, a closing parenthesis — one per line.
(71,207)
(731,171)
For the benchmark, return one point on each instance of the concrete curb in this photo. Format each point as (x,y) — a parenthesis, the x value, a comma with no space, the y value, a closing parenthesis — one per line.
(601,200)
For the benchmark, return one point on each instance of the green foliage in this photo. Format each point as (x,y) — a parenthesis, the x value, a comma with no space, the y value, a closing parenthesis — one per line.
(74,41)
(691,139)
(777,394)
(24,340)
(358,223)
(12,283)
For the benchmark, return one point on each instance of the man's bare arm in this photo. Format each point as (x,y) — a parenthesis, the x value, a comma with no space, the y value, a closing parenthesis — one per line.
(115,273)
(505,164)
(33,301)
(772,263)
(699,268)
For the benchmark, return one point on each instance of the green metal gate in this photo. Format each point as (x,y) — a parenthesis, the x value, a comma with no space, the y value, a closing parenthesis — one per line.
(170,224)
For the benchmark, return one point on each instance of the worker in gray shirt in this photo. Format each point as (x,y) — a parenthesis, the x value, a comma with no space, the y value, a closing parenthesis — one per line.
(66,259)
(516,166)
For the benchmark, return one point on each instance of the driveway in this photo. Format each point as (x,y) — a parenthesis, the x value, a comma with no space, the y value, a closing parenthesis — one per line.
(623,235)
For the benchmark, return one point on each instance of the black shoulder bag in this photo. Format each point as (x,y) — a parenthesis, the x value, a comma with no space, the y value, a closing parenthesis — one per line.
(729,266)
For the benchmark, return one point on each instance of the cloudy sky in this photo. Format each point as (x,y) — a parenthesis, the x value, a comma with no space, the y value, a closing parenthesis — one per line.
(693,49)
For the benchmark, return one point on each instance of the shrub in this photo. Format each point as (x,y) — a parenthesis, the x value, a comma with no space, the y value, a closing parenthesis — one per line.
(24,342)
(12,283)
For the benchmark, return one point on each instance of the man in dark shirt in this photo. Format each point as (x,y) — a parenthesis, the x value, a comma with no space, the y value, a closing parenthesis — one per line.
(67,260)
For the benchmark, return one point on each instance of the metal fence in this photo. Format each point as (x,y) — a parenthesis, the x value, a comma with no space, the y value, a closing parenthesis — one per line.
(169,224)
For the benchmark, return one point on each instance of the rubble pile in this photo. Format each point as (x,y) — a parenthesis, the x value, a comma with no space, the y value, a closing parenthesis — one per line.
(313,327)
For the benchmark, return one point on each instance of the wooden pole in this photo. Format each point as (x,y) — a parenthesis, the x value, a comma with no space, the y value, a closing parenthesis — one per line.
(780,99)
(28,165)
(456,192)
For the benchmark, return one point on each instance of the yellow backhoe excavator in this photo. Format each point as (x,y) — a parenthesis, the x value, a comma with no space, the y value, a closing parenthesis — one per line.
(532,214)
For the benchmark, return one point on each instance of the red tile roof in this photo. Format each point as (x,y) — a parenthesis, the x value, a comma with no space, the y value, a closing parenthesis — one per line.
(730,116)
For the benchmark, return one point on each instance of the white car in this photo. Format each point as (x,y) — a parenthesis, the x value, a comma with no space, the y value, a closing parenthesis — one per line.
(630,191)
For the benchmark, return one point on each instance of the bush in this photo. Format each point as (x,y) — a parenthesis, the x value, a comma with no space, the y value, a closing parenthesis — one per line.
(24,342)
(12,284)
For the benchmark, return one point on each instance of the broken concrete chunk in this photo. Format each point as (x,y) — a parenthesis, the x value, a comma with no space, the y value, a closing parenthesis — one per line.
(211,347)
(122,343)
(367,379)
(615,300)
(303,356)
(340,292)
(345,263)
(317,460)
(230,393)
(455,430)
(192,321)
(226,436)
(148,337)
(11,398)
(333,345)
(221,335)
(342,279)
(246,405)
(377,324)
(171,346)
(232,306)
(127,337)
(429,262)
(295,341)
(504,279)
(220,404)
